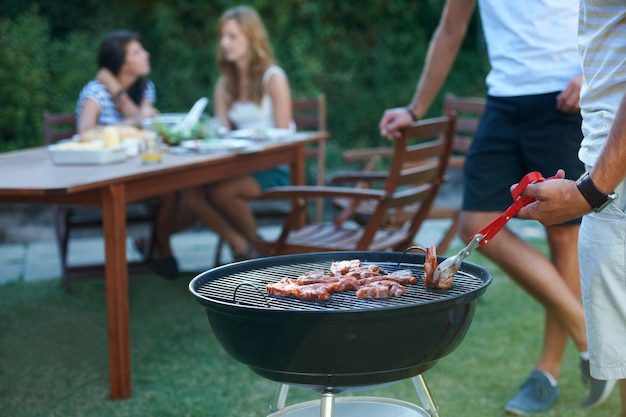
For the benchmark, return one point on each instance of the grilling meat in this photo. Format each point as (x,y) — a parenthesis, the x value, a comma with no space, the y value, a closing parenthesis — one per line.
(368,281)
(430,265)
(347,284)
(283,288)
(316,277)
(313,292)
(381,289)
(339,268)
(401,276)
(365,271)
(373,291)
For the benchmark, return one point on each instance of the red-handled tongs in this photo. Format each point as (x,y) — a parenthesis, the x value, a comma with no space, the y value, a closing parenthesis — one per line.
(446,269)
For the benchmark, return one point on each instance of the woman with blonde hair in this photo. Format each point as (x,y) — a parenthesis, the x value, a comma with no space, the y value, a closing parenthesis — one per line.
(251,93)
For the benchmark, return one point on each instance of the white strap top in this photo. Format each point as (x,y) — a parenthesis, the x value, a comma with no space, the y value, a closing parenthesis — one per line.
(249,115)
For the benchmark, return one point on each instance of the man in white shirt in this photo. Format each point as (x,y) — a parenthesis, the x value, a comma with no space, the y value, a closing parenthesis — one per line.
(531,123)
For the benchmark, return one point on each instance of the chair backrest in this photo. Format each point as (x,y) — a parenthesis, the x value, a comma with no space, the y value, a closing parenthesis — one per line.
(468,111)
(420,160)
(310,113)
(415,170)
(57,126)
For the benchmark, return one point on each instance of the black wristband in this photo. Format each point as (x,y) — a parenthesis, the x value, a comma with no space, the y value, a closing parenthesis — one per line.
(413,116)
(596,198)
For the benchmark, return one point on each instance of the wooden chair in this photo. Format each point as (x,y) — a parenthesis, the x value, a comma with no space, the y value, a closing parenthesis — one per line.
(308,114)
(417,165)
(57,126)
(68,219)
(468,111)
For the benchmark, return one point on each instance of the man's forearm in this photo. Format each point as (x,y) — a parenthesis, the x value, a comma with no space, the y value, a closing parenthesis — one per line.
(442,51)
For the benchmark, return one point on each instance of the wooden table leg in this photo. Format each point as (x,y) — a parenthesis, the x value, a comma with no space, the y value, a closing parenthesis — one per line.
(116,275)
(321,180)
(298,168)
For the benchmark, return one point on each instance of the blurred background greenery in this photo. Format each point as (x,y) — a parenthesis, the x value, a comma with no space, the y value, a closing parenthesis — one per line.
(365,56)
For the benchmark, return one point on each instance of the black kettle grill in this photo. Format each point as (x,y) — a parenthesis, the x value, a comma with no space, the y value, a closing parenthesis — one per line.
(344,343)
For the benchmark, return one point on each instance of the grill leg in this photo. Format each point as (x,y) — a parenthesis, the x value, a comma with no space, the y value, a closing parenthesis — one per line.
(280,397)
(425,397)
(327,406)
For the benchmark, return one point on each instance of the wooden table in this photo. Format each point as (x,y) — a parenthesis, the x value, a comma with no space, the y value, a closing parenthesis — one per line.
(28,176)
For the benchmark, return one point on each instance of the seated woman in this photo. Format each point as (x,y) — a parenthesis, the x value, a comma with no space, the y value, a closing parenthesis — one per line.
(121,94)
(252,92)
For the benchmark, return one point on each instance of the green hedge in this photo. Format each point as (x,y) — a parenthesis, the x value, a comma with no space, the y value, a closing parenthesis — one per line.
(365,56)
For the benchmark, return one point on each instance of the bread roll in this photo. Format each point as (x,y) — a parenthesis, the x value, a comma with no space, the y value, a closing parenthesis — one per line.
(111,137)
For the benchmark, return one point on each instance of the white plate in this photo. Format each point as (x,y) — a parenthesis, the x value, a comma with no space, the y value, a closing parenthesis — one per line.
(261,134)
(217,145)
(75,154)
(255,147)
(167,119)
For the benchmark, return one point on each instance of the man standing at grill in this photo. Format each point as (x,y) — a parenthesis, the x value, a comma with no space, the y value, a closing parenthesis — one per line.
(531,122)
(600,194)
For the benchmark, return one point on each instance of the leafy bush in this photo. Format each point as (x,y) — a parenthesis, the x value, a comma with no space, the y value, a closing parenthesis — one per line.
(23,77)
(364,56)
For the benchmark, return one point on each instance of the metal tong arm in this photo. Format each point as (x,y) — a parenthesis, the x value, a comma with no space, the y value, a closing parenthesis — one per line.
(466,251)
(498,223)
(449,266)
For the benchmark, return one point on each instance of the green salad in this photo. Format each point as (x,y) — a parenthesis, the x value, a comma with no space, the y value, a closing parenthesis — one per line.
(198,131)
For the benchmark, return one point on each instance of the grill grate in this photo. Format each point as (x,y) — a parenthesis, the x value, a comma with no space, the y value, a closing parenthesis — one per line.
(247,289)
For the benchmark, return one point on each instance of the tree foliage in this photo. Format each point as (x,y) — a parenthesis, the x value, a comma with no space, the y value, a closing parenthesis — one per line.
(365,56)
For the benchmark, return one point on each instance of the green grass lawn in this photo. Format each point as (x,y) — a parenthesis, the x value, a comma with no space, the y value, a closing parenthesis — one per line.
(54,357)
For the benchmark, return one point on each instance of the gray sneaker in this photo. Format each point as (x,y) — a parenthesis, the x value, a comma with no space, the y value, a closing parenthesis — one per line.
(599,390)
(537,394)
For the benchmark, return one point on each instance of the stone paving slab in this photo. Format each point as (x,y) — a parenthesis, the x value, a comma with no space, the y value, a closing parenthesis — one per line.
(11,262)
(195,250)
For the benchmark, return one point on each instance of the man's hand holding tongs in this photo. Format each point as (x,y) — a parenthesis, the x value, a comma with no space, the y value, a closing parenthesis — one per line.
(556,201)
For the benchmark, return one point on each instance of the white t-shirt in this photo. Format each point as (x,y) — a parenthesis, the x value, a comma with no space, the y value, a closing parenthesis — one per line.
(531,45)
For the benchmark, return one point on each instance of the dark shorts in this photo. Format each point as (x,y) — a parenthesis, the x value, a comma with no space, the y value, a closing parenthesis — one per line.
(517,135)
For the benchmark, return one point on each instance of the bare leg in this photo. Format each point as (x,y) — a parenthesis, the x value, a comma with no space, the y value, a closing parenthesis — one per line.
(169,219)
(536,274)
(164,224)
(231,198)
(212,218)
(563,242)
(555,339)
(172,217)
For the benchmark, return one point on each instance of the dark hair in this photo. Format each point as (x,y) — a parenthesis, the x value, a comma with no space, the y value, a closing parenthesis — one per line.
(113,54)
